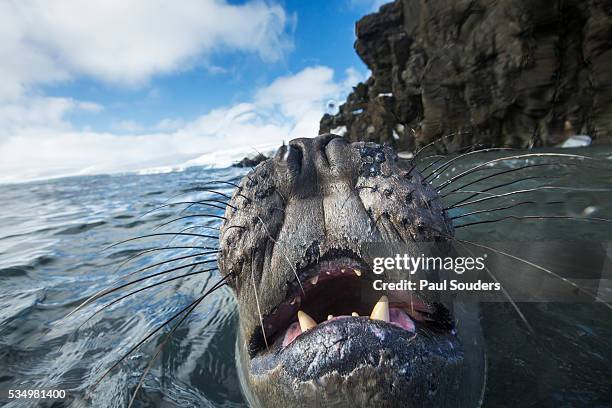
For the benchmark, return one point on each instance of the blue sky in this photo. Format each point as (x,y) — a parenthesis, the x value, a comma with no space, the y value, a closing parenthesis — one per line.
(109,85)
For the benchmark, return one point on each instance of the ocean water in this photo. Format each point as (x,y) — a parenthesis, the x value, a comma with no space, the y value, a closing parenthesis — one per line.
(54,239)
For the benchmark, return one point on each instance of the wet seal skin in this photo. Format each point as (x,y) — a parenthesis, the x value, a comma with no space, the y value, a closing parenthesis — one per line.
(310,331)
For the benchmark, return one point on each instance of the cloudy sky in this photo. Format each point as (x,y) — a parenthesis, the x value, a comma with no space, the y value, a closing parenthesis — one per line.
(112,85)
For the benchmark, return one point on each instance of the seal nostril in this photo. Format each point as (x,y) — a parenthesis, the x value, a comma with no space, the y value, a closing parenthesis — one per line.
(294,156)
(325,141)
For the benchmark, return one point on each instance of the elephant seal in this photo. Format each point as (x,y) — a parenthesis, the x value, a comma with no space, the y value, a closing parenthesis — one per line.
(311,332)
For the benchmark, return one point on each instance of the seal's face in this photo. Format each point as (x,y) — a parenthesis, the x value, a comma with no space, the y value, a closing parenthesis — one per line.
(294,241)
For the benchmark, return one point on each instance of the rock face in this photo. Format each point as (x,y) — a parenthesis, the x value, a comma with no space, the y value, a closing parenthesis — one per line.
(517,73)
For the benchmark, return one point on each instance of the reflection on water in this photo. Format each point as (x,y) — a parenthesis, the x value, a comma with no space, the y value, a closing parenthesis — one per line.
(52,239)
(52,236)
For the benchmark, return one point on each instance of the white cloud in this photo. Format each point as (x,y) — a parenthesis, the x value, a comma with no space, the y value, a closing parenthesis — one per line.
(353,77)
(128,126)
(370,5)
(90,107)
(45,144)
(128,42)
(169,124)
(302,97)
(39,112)
(295,95)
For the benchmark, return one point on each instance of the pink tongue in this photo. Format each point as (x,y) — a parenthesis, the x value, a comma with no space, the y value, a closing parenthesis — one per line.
(401,319)
(397,317)
(292,332)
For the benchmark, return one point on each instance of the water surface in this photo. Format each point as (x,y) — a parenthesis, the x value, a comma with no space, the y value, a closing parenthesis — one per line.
(52,236)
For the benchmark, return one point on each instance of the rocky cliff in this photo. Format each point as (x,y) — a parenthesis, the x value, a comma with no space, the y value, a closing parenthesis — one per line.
(515,73)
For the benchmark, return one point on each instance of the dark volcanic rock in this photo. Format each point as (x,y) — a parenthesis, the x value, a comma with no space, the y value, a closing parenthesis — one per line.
(516,73)
(251,161)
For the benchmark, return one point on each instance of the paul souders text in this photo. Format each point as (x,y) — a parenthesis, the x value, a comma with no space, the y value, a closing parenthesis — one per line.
(445,285)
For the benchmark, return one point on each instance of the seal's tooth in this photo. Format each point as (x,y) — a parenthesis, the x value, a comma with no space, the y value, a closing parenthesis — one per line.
(306,322)
(329,317)
(314,279)
(357,272)
(354,314)
(381,310)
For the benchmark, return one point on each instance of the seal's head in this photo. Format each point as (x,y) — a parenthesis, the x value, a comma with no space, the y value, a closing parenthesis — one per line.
(295,242)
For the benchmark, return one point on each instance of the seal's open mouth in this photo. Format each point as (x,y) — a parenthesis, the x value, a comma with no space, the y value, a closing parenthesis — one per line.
(335,303)
(313,331)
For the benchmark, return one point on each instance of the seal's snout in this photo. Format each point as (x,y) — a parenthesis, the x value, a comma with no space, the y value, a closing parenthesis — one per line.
(316,161)
(295,241)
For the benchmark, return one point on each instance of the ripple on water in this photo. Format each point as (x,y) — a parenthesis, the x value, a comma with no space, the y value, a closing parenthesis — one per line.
(80,228)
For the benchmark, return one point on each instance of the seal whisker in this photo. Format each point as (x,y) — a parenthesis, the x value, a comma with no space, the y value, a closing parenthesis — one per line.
(180,258)
(164,262)
(416,154)
(200,202)
(105,292)
(148,336)
(534,265)
(146,251)
(420,150)
(189,216)
(534,217)
(193,227)
(475,193)
(206,190)
(207,203)
(504,172)
(488,210)
(157,235)
(198,189)
(461,150)
(211,227)
(130,283)
(204,226)
(263,330)
(190,307)
(433,162)
(283,252)
(434,155)
(445,156)
(161,346)
(527,190)
(140,290)
(509,183)
(445,165)
(504,291)
(190,227)
(98,294)
(501,159)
